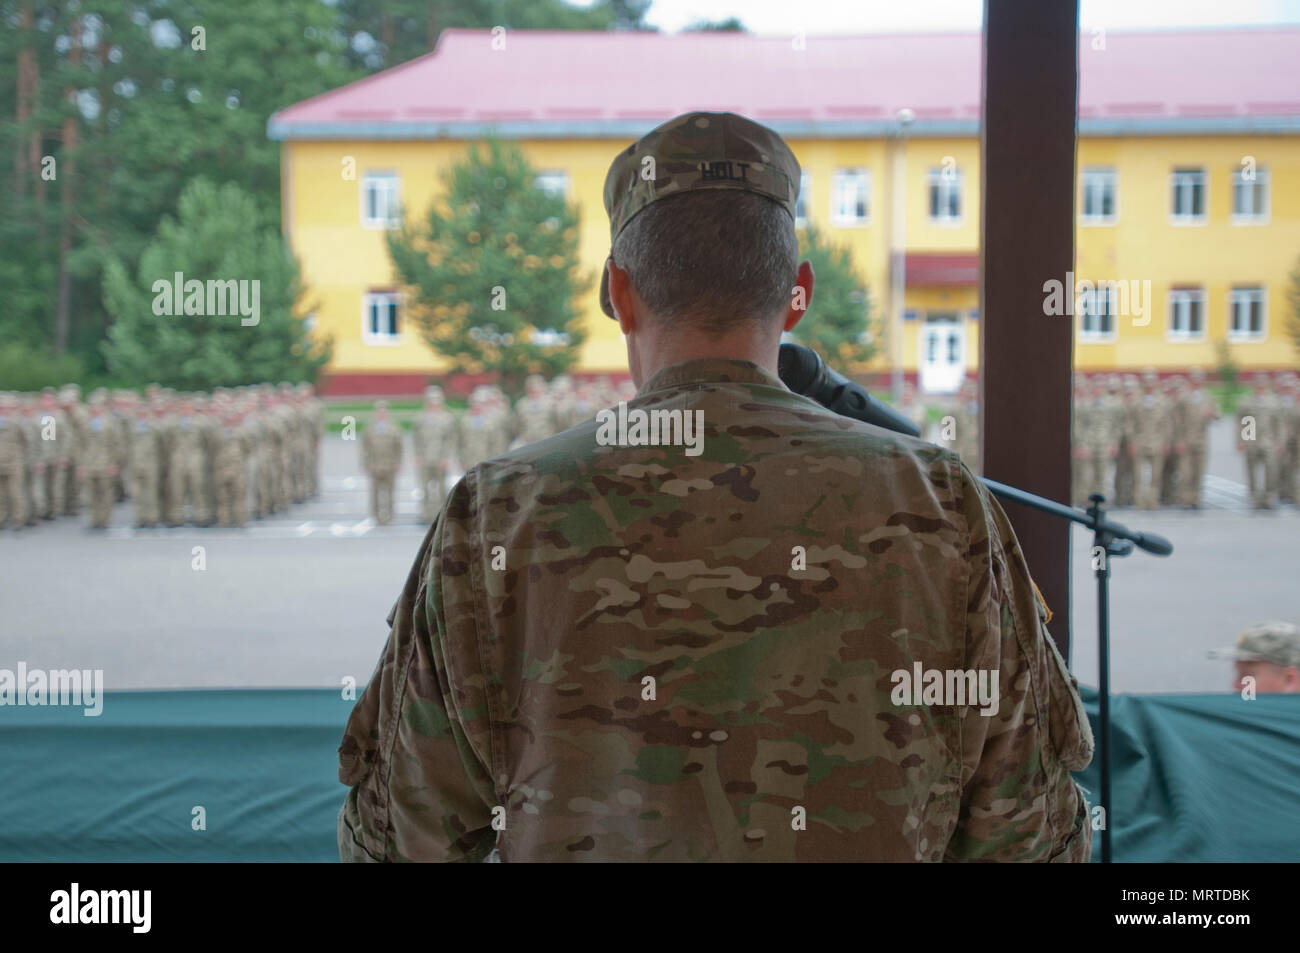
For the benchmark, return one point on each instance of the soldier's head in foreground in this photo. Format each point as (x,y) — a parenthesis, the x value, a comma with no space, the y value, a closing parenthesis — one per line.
(704,257)
(1268,653)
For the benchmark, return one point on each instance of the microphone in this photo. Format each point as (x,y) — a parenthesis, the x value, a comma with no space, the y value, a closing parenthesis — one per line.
(1150,542)
(802,370)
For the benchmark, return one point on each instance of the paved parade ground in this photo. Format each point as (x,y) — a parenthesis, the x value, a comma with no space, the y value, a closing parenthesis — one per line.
(299,600)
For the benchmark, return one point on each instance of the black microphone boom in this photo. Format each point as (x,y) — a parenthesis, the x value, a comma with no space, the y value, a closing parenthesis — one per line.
(802,370)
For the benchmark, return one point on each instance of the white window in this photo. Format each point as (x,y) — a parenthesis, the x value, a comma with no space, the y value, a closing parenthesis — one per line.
(1097,313)
(380,200)
(801,204)
(851,197)
(1188,196)
(1186,314)
(945,195)
(1098,196)
(553,182)
(1250,194)
(1247,314)
(380,322)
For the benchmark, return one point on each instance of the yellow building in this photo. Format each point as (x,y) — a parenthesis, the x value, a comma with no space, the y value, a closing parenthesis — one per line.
(1188,204)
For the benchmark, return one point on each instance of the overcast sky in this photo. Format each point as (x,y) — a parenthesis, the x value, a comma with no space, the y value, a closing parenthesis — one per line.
(858,16)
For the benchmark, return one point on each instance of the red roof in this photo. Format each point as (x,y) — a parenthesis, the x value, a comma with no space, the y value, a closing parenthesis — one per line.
(598,84)
(942,268)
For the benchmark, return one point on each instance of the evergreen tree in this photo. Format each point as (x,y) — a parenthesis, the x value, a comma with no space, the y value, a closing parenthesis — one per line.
(217,236)
(493,269)
(838,325)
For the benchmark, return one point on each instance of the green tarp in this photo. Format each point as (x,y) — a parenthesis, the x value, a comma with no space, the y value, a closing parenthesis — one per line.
(1196,777)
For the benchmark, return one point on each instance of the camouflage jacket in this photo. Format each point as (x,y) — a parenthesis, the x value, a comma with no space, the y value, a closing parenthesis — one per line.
(634,653)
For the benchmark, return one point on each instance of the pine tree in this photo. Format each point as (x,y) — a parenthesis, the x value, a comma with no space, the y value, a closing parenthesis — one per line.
(839,321)
(493,269)
(217,235)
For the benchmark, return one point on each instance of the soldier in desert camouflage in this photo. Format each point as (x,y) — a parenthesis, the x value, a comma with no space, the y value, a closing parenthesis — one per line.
(56,440)
(614,652)
(1196,411)
(1258,439)
(1149,434)
(434,435)
(147,448)
(534,412)
(13,455)
(78,418)
(381,458)
(561,394)
(1288,424)
(475,439)
(99,460)
(230,468)
(185,437)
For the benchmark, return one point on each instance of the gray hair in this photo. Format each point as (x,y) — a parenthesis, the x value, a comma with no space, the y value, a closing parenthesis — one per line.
(717,257)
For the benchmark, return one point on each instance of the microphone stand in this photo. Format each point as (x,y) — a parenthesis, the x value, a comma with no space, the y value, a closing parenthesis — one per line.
(1109,539)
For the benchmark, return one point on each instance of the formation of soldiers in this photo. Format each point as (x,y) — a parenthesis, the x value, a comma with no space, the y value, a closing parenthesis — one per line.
(1142,441)
(204,459)
(445,442)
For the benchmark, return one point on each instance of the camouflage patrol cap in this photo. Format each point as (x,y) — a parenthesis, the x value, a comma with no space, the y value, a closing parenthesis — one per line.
(697,150)
(1274,641)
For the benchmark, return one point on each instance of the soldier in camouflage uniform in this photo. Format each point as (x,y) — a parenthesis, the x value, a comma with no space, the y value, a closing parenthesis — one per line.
(1125,469)
(1150,423)
(230,469)
(503,420)
(1269,654)
(584,404)
(561,394)
(29,422)
(611,652)
(13,461)
(313,414)
(1084,420)
(1100,438)
(55,457)
(186,436)
(1258,439)
(122,414)
(147,450)
(535,413)
(1288,415)
(99,455)
(78,418)
(381,457)
(475,438)
(1173,392)
(434,435)
(269,480)
(1197,411)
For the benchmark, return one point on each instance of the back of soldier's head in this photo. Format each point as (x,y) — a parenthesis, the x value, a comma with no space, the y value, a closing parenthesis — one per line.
(711,260)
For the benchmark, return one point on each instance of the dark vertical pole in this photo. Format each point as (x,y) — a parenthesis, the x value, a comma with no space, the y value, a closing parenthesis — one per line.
(1031,66)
